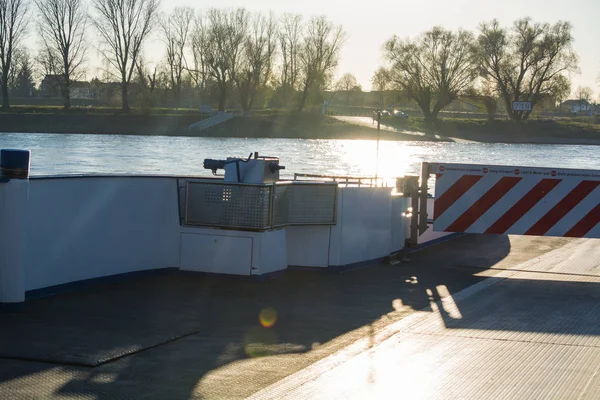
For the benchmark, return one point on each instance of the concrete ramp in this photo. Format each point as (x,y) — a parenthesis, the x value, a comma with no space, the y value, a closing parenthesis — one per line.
(530,332)
(211,121)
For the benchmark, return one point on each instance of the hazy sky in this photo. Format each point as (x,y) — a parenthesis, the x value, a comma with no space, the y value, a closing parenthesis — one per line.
(369,23)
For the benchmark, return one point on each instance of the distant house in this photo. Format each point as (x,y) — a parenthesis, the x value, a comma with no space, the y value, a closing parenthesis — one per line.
(83,90)
(577,107)
(52,87)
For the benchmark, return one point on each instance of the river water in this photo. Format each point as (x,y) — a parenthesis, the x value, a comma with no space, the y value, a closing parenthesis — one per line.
(81,154)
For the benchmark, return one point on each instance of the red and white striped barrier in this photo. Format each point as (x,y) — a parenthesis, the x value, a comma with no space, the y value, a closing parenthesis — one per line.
(516,200)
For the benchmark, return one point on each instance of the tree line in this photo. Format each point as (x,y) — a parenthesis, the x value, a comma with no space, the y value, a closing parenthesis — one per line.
(214,54)
(528,61)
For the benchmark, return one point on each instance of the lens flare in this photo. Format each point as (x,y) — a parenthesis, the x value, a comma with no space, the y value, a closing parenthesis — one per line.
(267,317)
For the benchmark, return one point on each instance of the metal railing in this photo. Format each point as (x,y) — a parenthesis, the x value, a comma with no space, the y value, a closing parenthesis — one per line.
(259,206)
(228,205)
(304,203)
(369,181)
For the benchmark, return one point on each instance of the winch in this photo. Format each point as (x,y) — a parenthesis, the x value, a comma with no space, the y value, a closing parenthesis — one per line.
(254,169)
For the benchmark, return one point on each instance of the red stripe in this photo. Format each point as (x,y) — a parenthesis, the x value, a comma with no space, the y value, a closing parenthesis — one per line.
(450,196)
(562,208)
(523,206)
(586,224)
(486,201)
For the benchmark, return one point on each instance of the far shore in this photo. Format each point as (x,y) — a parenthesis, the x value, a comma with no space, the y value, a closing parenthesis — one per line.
(302,126)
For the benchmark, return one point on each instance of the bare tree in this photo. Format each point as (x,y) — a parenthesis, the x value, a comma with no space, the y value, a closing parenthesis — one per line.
(47,63)
(198,44)
(348,84)
(290,36)
(21,80)
(380,81)
(225,33)
(176,31)
(560,89)
(319,56)
(256,59)
(216,51)
(433,69)
(527,63)
(123,26)
(584,93)
(13,25)
(483,96)
(146,77)
(62,27)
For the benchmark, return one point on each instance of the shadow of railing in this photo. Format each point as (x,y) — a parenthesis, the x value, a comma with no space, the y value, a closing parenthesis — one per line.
(544,306)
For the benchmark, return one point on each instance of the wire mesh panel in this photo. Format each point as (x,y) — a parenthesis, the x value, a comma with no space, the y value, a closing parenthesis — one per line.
(304,204)
(228,205)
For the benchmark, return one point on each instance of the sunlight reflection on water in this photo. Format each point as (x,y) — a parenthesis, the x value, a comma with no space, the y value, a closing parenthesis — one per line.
(76,154)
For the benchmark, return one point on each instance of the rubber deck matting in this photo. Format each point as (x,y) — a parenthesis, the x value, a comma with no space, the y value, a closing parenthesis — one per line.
(85,328)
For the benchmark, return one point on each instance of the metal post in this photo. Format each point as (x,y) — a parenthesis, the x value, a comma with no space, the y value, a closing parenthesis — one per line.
(377,155)
(414,220)
(423,198)
(14,195)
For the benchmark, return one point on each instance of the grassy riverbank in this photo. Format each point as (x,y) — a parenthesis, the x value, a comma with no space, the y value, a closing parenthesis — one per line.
(560,131)
(306,125)
(259,125)
(133,124)
(301,126)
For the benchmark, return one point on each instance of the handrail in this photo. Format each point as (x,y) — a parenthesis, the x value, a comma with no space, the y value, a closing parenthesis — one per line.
(348,180)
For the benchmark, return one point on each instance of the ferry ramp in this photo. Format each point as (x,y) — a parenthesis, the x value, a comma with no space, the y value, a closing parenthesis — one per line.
(480,316)
(530,332)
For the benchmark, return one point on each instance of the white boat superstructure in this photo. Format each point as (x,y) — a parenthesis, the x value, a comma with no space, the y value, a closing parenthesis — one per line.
(60,230)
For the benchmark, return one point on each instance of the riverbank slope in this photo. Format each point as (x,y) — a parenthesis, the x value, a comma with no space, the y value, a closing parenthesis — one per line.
(537,131)
(304,126)
(266,125)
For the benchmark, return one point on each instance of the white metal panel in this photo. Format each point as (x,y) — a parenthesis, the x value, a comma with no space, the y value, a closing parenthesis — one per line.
(216,254)
(335,236)
(13,240)
(271,255)
(89,227)
(308,246)
(366,233)
(400,222)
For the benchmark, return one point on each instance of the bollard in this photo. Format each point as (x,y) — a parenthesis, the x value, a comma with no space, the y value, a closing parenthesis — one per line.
(14,193)
(14,164)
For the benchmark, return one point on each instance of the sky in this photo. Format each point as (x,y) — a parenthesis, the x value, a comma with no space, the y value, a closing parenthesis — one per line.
(369,24)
